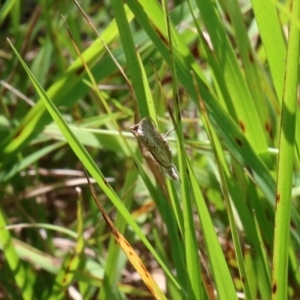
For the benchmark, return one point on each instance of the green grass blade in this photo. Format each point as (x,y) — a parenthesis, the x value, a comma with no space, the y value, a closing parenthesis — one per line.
(131,56)
(72,262)
(20,275)
(286,162)
(249,60)
(240,102)
(271,33)
(220,271)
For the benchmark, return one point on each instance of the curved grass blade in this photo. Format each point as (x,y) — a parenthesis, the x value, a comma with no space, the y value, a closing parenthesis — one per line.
(88,162)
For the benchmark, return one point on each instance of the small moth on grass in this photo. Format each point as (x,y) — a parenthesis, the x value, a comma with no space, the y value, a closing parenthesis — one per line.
(156,143)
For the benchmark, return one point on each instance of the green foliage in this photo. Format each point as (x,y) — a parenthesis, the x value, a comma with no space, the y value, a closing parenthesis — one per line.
(224,75)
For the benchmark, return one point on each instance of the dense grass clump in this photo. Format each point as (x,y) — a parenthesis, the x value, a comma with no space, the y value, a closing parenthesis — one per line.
(76,77)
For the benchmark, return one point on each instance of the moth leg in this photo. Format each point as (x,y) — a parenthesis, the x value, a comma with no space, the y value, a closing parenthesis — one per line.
(165,134)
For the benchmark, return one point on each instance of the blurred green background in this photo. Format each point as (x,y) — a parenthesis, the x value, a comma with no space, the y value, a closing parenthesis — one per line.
(224,75)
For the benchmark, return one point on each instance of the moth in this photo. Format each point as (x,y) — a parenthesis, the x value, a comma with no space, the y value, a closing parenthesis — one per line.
(156,143)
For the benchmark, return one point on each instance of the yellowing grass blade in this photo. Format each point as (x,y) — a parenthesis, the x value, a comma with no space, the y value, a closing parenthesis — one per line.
(128,250)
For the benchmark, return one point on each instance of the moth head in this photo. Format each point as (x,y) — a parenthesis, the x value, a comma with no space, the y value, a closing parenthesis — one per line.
(135,130)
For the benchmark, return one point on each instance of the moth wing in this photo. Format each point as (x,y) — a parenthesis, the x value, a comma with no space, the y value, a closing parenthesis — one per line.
(172,173)
(146,132)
